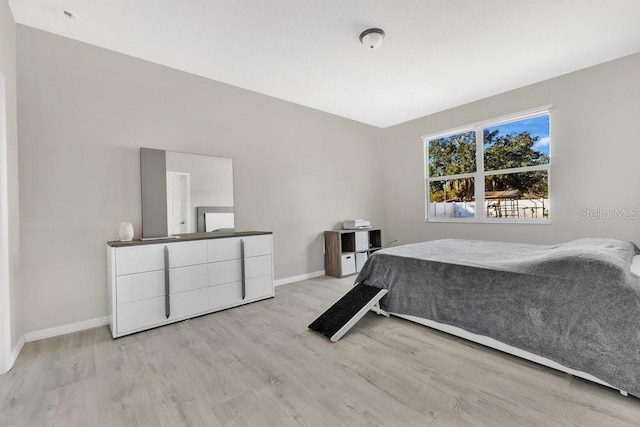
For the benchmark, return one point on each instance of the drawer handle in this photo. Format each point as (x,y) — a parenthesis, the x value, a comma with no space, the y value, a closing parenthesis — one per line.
(167,285)
(242,273)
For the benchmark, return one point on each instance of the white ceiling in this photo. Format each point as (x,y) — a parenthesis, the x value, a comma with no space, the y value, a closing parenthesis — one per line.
(437,53)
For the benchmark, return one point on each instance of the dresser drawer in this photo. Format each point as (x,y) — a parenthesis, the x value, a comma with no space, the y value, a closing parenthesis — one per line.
(151,312)
(225,272)
(257,245)
(259,287)
(138,259)
(227,249)
(139,286)
(223,249)
(183,279)
(226,295)
(191,303)
(187,253)
(151,257)
(140,314)
(257,266)
(229,294)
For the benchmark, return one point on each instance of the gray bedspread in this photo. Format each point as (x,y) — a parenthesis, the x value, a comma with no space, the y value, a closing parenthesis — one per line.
(576,303)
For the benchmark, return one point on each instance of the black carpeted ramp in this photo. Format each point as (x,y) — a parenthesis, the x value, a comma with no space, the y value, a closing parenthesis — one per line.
(341,316)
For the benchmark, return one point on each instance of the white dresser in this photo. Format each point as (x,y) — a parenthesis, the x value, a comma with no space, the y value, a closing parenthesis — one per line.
(152,284)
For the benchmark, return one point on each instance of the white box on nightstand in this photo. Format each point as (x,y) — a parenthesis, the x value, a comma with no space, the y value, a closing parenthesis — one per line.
(348,264)
(362,240)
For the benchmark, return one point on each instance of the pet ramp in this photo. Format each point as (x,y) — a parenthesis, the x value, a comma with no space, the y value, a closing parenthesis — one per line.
(344,314)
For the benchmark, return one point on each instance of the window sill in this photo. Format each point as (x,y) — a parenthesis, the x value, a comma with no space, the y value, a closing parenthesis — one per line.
(489,221)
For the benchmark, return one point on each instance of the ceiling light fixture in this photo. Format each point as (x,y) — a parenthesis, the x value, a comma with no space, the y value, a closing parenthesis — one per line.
(372,38)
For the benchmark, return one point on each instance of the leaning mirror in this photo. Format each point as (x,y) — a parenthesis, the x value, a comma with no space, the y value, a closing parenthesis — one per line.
(185,193)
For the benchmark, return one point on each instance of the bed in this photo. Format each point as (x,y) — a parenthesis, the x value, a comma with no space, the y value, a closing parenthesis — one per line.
(573,306)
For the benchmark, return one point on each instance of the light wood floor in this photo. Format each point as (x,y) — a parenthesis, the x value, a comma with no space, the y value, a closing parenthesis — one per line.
(259,365)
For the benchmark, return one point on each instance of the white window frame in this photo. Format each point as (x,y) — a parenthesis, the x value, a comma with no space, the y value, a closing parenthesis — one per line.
(480,174)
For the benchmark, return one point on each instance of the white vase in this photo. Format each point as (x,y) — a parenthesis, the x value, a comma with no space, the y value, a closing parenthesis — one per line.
(126,232)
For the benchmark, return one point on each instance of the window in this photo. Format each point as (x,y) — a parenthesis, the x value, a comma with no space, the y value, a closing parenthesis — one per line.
(495,171)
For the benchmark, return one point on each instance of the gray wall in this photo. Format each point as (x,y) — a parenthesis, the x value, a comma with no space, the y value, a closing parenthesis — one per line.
(84,112)
(595,156)
(8,70)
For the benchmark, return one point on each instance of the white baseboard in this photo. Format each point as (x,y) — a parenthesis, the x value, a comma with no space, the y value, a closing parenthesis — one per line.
(16,351)
(65,329)
(292,279)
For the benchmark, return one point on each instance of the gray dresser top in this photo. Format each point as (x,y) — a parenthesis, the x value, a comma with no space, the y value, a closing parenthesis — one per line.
(187,237)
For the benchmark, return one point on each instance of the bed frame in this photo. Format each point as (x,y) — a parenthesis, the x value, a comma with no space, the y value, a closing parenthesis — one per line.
(495,344)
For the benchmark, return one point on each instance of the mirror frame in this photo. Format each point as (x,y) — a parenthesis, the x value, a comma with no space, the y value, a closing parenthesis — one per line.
(153,189)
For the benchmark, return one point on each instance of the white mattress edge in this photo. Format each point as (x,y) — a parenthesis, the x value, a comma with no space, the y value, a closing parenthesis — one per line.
(635,265)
